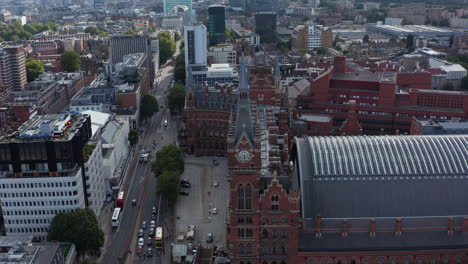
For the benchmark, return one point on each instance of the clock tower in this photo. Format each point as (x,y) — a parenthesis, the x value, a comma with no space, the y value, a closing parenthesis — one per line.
(244,164)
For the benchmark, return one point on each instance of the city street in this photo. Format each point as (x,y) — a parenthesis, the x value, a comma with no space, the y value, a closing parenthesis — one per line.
(140,184)
(197,208)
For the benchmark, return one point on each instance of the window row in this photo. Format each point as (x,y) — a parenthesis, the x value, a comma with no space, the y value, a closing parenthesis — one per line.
(244,233)
(37,185)
(283,234)
(37,212)
(38,194)
(275,250)
(28,221)
(40,203)
(274,220)
(28,230)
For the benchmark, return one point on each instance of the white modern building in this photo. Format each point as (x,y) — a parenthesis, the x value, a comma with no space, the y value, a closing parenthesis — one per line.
(42,172)
(195,45)
(314,40)
(172,22)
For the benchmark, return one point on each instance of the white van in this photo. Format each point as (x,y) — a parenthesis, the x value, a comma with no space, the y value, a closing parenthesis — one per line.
(165,122)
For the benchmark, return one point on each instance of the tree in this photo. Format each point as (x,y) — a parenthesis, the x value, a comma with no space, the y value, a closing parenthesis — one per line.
(179,73)
(464,83)
(92,30)
(410,43)
(167,47)
(149,106)
(133,137)
(448,86)
(130,32)
(176,36)
(176,97)
(321,51)
(34,68)
(169,158)
(168,185)
(282,46)
(365,39)
(71,61)
(79,227)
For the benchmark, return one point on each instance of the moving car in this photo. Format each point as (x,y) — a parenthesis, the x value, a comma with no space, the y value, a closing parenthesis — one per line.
(185,185)
(154,211)
(215,210)
(165,122)
(216,184)
(140,250)
(134,202)
(149,242)
(140,233)
(141,242)
(153,224)
(151,232)
(183,193)
(144,225)
(149,252)
(209,238)
(185,181)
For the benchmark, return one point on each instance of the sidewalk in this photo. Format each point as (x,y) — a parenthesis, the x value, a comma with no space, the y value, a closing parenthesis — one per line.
(106,226)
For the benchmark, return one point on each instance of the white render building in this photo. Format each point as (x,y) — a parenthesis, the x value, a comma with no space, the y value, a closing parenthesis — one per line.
(195,45)
(43,172)
(314,37)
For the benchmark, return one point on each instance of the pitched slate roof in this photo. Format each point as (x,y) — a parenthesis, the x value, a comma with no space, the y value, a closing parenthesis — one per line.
(244,125)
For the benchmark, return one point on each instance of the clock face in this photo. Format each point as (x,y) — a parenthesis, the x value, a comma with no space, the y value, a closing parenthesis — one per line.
(244,156)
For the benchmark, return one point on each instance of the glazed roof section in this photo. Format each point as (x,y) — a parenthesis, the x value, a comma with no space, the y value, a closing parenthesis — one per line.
(388,156)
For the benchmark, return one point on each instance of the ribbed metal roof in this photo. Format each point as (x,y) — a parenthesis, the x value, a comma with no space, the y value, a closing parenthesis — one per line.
(388,156)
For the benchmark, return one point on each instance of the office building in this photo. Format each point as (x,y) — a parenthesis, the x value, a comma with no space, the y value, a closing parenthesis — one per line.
(314,37)
(170,4)
(222,54)
(121,45)
(238,3)
(23,249)
(313,3)
(12,69)
(216,24)
(265,26)
(195,45)
(43,172)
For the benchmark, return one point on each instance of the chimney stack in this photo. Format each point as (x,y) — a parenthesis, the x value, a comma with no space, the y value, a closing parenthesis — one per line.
(372,228)
(398,227)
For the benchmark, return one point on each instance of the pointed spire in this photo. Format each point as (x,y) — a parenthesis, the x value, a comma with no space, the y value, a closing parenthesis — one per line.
(244,125)
(265,61)
(243,75)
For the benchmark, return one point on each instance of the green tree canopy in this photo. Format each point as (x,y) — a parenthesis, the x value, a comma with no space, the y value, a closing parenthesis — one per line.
(71,61)
(365,39)
(167,47)
(176,36)
(79,227)
(176,97)
(168,185)
(16,31)
(92,30)
(410,43)
(34,68)
(133,137)
(179,72)
(321,51)
(149,106)
(169,158)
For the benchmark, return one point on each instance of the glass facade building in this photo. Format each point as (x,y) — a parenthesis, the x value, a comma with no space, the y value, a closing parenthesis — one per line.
(217,24)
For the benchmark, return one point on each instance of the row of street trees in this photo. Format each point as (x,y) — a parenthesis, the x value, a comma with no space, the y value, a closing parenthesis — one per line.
(167,47)
(168,167)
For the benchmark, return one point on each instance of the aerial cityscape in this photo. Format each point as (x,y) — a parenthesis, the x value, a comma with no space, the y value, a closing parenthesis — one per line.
(233,131)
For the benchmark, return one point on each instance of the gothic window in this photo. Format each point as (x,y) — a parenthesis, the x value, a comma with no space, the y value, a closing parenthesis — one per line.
(433,261)
(459,260)
(283,234)
(274,220)
(446,261)
(420,261)
(241,249)
(274,202)
(240,220)
(283,250)
(248,196)
(240,197)
(273,249)
(240,233)
(248,233)
(274,234)
(284,220)
(248,249)
(264,233)
(264,221)
(248,220)
(406,261)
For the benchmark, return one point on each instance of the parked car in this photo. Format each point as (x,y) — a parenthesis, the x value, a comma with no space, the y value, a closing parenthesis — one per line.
(185,185)
(149,242)
(149,252)
(153,224)
(141,242)
(154,211)
(215,183)
(140,233)
(153,216)
(209,238)
(183,193)
(134,202)
(185,181)
(144,225)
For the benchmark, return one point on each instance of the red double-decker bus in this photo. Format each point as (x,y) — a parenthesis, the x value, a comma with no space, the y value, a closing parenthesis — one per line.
(120,199)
